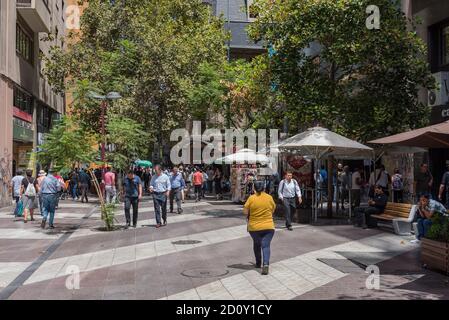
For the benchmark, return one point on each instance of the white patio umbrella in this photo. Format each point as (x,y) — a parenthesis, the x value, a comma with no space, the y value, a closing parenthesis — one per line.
(318,143)
(244,156)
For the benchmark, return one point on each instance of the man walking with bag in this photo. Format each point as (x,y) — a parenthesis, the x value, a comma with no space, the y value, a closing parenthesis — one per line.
(16,184)
(288,191)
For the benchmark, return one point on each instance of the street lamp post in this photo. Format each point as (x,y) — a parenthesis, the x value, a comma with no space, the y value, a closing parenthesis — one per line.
(104,105)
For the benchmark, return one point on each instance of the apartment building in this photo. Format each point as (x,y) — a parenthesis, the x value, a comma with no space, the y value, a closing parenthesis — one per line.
(434,30)
(28,106)
(237,15)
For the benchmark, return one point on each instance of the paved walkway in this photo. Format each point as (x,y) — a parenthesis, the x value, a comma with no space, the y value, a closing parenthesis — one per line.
(205,253)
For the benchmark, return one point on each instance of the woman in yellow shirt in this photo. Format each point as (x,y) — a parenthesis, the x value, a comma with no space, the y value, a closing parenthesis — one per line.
(259,208)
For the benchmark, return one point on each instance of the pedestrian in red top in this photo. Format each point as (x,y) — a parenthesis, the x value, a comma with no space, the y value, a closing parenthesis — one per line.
(198,183)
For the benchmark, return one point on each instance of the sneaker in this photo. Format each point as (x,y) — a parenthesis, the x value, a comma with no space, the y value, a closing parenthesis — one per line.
(180,211)
(416,241)
(265,270)
(158,226)
(43,224)
(135,226)
(258,265)
(165,222)
(290,228)
(52,227)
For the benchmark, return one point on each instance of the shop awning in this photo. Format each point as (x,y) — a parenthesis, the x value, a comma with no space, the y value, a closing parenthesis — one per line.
(435,136)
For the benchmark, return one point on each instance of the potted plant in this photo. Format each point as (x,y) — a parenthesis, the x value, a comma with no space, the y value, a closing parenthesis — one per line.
(435,246)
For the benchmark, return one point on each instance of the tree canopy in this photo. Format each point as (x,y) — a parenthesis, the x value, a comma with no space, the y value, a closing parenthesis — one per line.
(147,51)
(330,69)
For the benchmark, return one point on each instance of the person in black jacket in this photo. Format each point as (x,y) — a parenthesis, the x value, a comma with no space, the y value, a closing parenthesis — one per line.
(376,206)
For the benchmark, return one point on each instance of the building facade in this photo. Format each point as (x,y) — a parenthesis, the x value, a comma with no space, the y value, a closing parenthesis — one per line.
(28,106)
(434,30)
(237,16)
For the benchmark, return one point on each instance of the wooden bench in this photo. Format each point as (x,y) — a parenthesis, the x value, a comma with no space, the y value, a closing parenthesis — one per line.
(401,215)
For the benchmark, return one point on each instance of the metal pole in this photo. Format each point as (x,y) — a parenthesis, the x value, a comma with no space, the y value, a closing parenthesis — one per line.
(103,143)
(229,29)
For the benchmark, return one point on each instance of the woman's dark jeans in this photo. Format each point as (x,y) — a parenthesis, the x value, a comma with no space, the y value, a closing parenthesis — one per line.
(262,240)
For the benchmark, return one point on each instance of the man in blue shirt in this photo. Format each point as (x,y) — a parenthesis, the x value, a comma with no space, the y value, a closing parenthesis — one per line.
(132,186)
(160,187)
(49,192)
(177,184)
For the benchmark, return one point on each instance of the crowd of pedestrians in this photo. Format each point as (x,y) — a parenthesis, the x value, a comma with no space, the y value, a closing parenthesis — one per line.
(172,186)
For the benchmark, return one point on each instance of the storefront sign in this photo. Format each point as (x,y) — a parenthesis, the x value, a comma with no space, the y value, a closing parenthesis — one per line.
(22,130)
(22,115)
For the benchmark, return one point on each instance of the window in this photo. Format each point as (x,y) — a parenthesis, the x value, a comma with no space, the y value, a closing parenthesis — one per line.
(252,15)
(439,46)
(44,119)
(24,44)
(23,100)
(445,45)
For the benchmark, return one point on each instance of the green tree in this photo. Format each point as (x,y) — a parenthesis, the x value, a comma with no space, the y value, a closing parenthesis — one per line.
(147,51)
(129,139)
(332,70)
(67,145)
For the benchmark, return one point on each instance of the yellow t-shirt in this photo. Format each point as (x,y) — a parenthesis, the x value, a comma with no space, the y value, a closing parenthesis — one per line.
(261,208)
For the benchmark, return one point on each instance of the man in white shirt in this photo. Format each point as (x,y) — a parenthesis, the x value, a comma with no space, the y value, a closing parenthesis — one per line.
(287,192)
(16,183)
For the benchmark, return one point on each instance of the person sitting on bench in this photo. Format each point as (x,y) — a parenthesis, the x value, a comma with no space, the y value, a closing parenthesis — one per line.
(376,206)
(426,210)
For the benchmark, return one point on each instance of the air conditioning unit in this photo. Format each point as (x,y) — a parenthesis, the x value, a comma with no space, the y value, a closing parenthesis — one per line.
(439,96)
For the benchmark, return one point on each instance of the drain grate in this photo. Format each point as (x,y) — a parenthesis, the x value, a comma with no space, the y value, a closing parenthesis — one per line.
(205,273)
(185,242)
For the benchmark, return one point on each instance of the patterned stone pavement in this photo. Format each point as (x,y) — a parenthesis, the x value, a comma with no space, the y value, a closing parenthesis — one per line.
(205,253)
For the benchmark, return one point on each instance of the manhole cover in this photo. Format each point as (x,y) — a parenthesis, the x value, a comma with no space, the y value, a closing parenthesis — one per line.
(205,273)
(186,242)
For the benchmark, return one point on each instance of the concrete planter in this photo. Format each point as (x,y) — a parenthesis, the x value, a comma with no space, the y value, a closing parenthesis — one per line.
(435,255)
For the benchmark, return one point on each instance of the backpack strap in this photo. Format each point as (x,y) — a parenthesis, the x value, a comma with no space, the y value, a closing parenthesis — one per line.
(283,185)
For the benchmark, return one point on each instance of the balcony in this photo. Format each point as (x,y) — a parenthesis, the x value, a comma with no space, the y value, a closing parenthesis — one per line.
(36,14)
